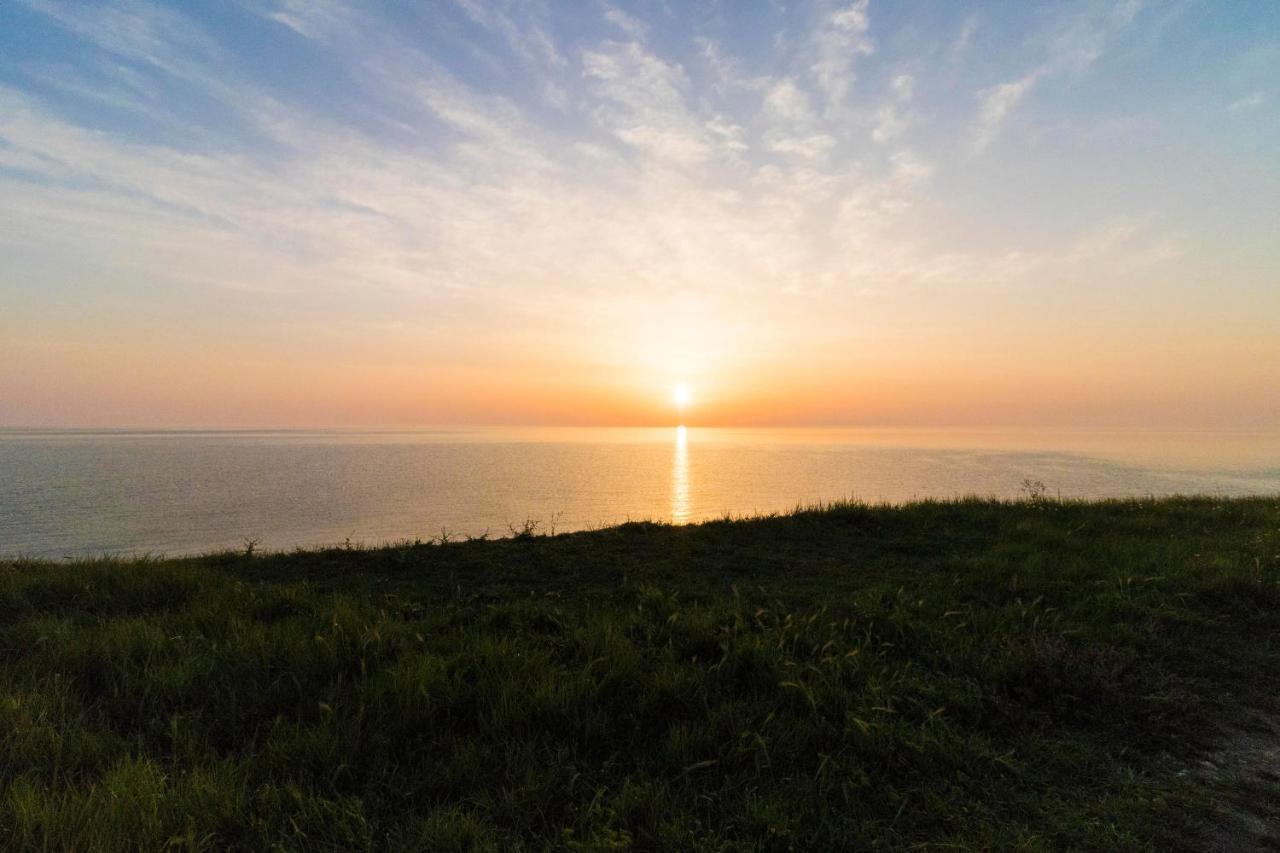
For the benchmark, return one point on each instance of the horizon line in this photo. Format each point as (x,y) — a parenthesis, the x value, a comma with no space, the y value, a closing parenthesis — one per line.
(990,427)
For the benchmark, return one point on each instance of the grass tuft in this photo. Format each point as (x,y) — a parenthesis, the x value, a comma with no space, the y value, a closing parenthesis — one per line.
(974,674)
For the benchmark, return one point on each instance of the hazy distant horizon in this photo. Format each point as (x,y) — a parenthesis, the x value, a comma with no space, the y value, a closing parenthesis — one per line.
(1224,448)
(975,427)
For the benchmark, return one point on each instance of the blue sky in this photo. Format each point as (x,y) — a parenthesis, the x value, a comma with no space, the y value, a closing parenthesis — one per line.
(288,213)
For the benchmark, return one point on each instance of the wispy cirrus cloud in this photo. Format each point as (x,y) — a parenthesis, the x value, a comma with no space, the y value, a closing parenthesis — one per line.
(319,20)
(642,102)
(893,118)
(1072,43)
(628,24)
(526,37)
(1247,102)
(997,104)
(842,35)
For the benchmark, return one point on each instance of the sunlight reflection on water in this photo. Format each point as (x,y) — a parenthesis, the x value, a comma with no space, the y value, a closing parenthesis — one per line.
(680,478)
(69,492)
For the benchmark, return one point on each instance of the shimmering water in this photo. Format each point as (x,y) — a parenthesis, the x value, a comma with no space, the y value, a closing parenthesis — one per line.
(74,493)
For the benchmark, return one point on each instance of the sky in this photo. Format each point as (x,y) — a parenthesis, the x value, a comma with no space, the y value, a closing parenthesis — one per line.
(318,213)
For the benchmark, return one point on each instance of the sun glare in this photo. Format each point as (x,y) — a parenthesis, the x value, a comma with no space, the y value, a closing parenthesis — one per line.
(681,396)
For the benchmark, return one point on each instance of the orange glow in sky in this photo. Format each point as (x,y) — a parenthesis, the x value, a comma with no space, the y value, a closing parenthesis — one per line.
(865,213)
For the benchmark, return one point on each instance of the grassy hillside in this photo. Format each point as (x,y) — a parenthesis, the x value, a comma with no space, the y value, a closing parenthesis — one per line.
(971,674)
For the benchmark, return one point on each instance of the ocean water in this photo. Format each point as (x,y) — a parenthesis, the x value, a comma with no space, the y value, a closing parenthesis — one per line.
(70,493)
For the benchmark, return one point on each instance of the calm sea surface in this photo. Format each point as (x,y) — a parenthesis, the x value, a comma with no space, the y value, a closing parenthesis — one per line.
(75,493)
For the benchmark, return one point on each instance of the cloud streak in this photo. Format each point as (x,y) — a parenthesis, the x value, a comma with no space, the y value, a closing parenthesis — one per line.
(1072,44)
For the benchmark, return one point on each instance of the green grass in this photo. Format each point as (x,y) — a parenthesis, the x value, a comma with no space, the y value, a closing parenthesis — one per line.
(970,674)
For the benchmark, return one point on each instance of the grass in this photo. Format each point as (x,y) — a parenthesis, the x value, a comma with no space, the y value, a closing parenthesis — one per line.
(955,675)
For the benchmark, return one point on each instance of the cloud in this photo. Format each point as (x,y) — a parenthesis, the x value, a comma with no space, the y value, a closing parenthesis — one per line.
(107,82)
(1247,102)
(1073,42)
(811,147)
(317,20)
(785,102)
(998,102)
(964,38)
(644,105)
(840,38)
(632,26)
(909,168)
(161,39)
(1125,244)
(727,71)
(732,135)
(527,38)
(903,85)
(891,120)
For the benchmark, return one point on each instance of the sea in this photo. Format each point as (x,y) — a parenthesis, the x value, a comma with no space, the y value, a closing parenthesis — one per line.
(76,493)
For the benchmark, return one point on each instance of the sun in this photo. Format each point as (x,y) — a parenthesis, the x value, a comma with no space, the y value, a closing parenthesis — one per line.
(682,396)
